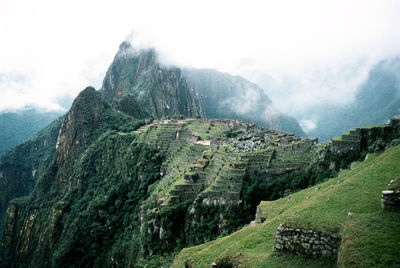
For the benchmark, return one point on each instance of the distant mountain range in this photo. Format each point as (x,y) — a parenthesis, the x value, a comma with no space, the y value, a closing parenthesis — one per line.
(377,100)
(17,127)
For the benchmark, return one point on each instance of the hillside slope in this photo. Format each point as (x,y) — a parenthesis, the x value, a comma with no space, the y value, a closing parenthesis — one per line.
(348,206)
(21,166)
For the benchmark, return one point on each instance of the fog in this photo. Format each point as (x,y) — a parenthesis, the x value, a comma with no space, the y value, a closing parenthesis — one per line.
(303,53)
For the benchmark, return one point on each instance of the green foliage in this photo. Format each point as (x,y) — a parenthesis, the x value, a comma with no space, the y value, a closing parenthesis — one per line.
(104,207)
(119,122)
(18,165)
(230,133)
(227,261)
(257,189)
(90,216)
(129,104)
(172,220)
(205,225)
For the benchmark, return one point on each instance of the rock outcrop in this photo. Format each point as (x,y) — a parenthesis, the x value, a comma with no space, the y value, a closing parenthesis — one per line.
(137,84)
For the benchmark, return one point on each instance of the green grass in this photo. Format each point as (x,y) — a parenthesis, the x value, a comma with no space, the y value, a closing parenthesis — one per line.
(369,127)
(359,248)
(370,236)
(204,130)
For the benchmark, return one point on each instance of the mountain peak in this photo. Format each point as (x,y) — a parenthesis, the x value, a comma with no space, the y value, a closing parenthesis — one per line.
(124,46)
(79,124)
(137,75)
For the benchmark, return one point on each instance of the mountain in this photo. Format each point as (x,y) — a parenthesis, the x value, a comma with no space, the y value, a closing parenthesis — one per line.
(111,190)
(136,78)
(222,95)
(377,100)
(21,166)
(139,85)
(108,185)
(117,191)
(17,127)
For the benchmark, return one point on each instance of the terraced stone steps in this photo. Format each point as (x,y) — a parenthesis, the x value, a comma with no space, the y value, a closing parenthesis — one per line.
(362,137)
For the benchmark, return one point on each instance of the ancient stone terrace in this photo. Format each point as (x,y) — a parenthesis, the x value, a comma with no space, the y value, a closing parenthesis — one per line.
(204,163)
(361,138)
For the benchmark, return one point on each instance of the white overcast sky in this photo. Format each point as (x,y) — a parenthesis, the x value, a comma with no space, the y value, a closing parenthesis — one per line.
(50,48)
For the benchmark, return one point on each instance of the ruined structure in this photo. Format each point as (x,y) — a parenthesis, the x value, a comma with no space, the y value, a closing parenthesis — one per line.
(362,138)
(305,242)
(391,196)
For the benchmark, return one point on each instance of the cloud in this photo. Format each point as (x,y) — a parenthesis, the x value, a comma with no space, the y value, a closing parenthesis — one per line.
(60,47)
(307,125)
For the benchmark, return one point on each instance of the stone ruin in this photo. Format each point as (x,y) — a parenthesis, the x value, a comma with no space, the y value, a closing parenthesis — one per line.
(391,196)
(305,242)
(361,138)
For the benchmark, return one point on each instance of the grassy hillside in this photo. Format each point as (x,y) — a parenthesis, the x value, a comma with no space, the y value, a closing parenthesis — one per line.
(348,205)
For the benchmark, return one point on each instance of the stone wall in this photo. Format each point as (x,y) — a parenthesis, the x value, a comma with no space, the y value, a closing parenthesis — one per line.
(361,138)
(391,196)
(305,242)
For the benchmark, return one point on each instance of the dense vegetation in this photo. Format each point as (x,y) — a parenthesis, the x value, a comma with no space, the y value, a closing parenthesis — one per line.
(92,218)
(20,167)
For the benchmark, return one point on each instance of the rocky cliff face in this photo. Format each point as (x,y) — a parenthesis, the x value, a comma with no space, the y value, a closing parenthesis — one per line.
(137,76)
